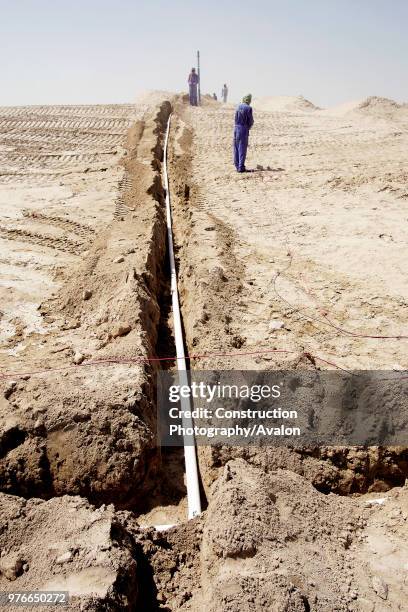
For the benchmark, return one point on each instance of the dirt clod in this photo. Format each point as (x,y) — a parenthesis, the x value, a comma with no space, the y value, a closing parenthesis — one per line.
(11,566)
(380,587)
(120,329)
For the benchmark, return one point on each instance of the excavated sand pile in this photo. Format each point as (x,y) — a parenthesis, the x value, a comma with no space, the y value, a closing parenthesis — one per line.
(288,104)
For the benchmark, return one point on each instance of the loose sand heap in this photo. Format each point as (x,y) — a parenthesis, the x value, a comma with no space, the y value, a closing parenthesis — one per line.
(257,546)
(290,104)
(306,254)
(66,545)
(378,108)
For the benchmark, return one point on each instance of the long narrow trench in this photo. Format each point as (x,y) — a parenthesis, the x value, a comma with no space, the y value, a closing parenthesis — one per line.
(167,502)
(170,503)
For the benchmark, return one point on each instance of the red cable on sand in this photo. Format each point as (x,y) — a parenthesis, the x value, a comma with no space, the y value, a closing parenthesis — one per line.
(139,360)
(326,320)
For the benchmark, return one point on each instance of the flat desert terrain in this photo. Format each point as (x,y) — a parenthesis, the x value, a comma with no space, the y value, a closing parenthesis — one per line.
(315,237)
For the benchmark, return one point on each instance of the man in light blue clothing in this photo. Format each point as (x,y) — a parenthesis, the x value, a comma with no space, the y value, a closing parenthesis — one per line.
(243,123)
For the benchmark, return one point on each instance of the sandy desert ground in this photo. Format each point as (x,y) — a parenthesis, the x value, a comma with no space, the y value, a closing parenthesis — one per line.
(306,255)
(315,237)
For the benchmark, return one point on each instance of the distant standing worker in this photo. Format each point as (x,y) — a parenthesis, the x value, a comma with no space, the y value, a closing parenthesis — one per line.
(243,123)
(192,87)
(224,93)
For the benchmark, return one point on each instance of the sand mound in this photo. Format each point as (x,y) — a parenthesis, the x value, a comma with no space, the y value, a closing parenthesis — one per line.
(258,547)
(377,104)
(65,544)
(287,104)
(153,96)
(373,105)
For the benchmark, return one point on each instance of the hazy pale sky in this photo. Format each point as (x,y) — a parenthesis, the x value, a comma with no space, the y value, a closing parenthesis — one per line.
(100,51)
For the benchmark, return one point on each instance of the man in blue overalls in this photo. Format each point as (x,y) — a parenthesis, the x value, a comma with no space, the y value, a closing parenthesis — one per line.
(243,123)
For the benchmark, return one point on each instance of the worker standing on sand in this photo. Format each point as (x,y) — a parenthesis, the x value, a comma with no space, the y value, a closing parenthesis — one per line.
(243,123)
(192,86)
(224,93)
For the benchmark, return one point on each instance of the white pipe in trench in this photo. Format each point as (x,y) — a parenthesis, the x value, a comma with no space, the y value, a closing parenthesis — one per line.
(190,457)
